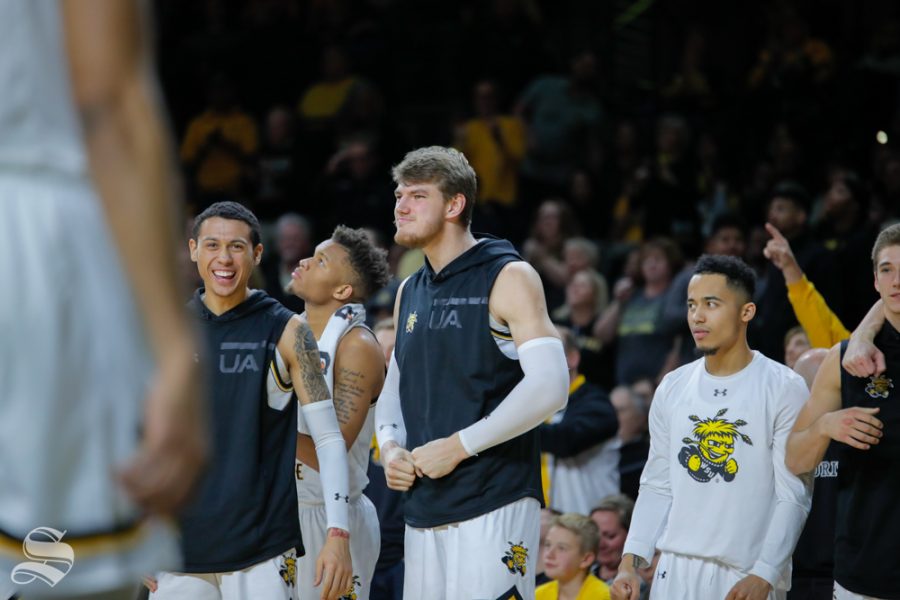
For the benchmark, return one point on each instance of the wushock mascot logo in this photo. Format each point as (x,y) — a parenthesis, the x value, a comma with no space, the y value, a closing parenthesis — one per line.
(49,559)
(710,451)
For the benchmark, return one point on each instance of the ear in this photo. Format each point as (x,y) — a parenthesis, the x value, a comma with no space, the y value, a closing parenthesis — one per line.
(257,254)
(343,292)
(748,311)
(192,246)
(875,281)
(587,560)
(455,206)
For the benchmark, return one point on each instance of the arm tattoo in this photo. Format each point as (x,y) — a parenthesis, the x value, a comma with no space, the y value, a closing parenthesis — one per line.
(310,364)
(637,562)
(348,391)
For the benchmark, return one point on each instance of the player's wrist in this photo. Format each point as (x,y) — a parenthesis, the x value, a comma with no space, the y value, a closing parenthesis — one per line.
(821,428)
(337,532)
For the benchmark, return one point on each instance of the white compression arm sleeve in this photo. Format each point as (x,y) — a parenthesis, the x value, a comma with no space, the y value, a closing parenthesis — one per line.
(333,466)
(389,424)
(543,390)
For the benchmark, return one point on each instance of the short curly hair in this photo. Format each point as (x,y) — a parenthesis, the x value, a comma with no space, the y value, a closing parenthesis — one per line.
(368,261)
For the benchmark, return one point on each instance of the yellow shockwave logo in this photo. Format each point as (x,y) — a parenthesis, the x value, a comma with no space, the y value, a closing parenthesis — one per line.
(709,452)
(516,558)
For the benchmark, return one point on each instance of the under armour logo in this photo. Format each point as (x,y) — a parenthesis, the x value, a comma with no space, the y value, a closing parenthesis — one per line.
(394,425)
(661,575)
(338,497)
(720,392)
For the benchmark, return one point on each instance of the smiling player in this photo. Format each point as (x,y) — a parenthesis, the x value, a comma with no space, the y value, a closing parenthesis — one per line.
(241,533)
(715,479)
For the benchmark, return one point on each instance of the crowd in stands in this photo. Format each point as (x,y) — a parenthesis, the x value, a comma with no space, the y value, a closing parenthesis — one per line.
(764,132)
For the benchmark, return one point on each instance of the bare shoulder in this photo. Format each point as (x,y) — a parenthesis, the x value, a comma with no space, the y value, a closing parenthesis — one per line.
(825,395)
(517,285)
(518,273)
(517,300)
(296,335)
(359,346)
(830,371)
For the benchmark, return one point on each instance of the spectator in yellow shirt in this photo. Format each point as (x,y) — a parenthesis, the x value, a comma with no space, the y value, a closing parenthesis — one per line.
(220,145)
(822,326)
(568,552)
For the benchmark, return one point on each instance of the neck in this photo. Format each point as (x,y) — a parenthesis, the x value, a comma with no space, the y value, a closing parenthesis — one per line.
(219,305)
(731,360)
(447,246)
(318,315)
(569,589)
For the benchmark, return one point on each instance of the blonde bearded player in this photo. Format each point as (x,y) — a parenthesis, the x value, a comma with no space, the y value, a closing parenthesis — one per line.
(344,271)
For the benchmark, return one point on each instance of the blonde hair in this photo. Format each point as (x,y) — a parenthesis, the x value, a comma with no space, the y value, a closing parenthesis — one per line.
(583,527)
(889,236)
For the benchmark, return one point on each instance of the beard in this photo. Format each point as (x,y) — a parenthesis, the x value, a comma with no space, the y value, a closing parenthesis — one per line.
(409,239)
(701,351)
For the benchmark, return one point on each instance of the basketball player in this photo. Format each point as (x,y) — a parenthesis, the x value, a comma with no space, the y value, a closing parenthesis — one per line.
(862,414)
(477,365)
(715,495)
(813,560)
(343,273)
(240,534)
(95,336)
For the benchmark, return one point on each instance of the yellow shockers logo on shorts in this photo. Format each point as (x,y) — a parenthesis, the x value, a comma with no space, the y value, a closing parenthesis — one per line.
(288,569)
(515,558)
(879,386)
(710,451)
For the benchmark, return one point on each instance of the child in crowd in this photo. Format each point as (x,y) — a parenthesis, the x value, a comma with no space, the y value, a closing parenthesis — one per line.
(568,552)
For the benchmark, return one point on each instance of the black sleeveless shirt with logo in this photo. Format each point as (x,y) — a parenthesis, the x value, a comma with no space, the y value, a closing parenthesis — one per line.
(454,373)
(244,510)
(867,538)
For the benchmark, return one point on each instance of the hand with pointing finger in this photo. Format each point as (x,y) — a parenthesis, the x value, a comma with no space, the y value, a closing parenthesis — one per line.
(778,250)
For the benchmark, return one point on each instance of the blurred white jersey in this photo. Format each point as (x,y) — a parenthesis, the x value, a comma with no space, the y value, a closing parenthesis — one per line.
(39,127)
(74,363)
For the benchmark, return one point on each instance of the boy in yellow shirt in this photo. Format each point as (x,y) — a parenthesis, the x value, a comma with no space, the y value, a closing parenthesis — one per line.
(569,550)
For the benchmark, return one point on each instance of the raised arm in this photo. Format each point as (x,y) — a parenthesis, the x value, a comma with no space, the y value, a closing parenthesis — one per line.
(818,320)
(298,347)
(517,300)
(821,420)
(130,154)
